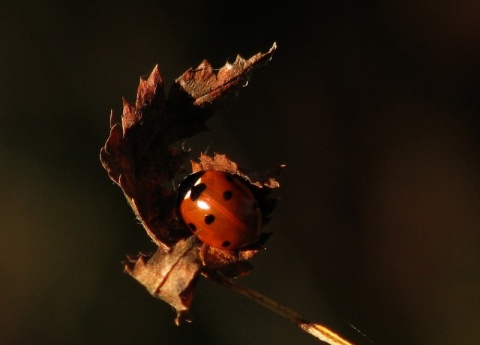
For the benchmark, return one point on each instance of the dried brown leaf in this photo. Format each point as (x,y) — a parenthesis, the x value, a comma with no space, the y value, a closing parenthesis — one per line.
(207,85)
(142,156)
(232,263)
(170,275)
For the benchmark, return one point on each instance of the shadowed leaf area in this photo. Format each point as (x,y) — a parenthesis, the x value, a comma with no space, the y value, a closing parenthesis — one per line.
(142,157)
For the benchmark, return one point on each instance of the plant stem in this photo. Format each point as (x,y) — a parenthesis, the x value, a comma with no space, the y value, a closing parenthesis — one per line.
(321,332)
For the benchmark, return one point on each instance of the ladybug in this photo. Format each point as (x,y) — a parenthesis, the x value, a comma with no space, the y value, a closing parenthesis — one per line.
(220,208)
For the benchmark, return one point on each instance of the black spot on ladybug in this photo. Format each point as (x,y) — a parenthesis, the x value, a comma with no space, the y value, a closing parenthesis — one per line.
(254,205)
(226,244)
(229,177)
(197,190)
(209,219)
(192,226)
(227,195)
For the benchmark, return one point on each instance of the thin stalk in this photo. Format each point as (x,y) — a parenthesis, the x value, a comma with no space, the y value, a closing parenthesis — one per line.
(320,332)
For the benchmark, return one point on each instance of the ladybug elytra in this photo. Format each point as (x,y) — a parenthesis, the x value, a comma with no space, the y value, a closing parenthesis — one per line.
(220,209)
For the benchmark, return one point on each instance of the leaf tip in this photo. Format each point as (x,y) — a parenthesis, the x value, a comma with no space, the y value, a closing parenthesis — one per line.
(125,103)
(183,316)
(155,78)
(112,119)
(274,47)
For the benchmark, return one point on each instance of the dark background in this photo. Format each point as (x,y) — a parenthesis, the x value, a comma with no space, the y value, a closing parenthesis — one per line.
(374,107)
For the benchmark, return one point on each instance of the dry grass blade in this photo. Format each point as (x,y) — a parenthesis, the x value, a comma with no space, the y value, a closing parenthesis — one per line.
(320,332)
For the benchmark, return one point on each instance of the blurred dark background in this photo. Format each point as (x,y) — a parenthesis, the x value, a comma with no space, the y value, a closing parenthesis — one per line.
(374,106)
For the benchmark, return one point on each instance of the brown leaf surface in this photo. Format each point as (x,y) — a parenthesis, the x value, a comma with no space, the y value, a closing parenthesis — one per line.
(232,263)
(141,156)
(260,179)
(207,85)
(170,275)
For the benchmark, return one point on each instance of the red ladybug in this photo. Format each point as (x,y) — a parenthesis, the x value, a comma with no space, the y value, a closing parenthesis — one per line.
(220,209)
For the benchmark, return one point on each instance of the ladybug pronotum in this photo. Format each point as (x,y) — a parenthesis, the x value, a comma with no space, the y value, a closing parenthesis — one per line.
(220,208)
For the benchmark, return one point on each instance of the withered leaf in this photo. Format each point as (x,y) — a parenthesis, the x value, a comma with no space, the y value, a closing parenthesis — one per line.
(207,85)
(170,275)
(141,155)
(231,263)
(260,179)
